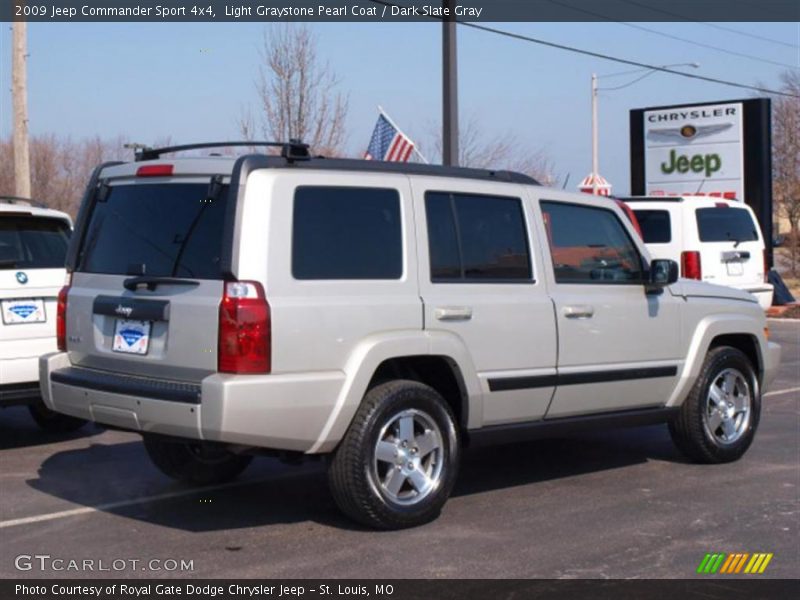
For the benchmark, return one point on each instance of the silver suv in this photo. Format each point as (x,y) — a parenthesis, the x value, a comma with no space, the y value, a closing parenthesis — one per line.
(387,316)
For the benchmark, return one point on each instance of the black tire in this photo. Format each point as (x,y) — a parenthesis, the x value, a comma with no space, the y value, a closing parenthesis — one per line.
(690,430)
(53,422)
(354,472)
(196,463)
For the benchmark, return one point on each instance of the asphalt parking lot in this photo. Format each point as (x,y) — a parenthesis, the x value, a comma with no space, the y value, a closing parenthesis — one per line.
(616,504)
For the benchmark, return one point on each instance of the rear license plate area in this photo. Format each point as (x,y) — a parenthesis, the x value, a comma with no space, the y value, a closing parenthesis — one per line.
(23,310)
(131,336)
(734,268)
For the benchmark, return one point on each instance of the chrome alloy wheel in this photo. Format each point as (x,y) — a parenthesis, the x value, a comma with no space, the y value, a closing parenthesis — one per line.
(408,458)
(727,411)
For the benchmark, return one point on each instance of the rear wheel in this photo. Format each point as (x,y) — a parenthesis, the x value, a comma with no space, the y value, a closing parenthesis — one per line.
(397,464)
(195,462)
(718,420)
(54,422)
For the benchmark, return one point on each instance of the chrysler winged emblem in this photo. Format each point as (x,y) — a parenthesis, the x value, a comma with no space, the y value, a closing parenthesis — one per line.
(686,132)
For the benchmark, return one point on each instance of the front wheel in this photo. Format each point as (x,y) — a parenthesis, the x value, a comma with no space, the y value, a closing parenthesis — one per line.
(195,462)
(397,464)
(718,419)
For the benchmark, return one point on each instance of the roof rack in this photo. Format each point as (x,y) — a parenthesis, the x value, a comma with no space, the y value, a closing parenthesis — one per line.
(292,150)
(296,153)
(19,200)
(377,166)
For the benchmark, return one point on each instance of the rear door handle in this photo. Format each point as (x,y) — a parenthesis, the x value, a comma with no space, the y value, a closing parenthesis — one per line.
(453,313)
(579,311)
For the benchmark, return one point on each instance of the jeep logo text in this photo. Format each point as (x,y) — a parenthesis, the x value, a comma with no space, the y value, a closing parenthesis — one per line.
(123,310)
(710,163)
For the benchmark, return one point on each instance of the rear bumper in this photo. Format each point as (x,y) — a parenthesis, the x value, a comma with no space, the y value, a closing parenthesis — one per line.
(19,380)
(772,361)
(764,295)
(14,394)
(282,412)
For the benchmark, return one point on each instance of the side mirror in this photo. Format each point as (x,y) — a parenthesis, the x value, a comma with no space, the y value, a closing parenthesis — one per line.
(663,271)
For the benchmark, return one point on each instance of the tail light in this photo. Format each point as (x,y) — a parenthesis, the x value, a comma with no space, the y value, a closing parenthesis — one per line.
(154,171)
(690,265)
(245,340)
(61,315)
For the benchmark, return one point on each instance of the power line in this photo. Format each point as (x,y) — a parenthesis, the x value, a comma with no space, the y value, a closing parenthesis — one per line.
(674,37)
(746,34)
(624,61)
(714,25)
(710,47)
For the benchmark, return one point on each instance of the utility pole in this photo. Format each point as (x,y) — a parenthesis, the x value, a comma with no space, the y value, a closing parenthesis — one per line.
(449,89)
(19,92)
(595,160)
(647,72)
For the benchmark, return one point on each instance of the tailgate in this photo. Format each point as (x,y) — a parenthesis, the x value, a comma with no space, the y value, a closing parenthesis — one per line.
(732,249)
(167,333)
(32,252)
(145,294)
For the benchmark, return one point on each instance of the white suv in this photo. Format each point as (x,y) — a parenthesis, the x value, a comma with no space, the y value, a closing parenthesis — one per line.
(33,246)
(383,315)
(714,239)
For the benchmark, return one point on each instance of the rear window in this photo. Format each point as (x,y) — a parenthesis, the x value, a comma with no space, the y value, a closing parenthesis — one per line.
(655,225)
(156,229)
(346,233)
(725,224)
(32,242)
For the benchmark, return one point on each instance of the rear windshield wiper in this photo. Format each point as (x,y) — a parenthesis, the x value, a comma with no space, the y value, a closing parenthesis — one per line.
(153,281)
(735,241)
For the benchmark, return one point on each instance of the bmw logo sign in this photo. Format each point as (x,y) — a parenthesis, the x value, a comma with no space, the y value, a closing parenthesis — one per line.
(22,277)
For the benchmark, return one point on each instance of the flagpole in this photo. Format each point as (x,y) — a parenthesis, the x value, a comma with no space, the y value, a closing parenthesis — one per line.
(393,124)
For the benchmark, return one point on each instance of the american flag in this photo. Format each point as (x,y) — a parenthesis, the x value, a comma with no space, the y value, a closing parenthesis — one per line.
(388,143)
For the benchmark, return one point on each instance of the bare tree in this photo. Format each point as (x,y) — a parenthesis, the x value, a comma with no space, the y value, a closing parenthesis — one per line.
(298,93)
(786,161)
(60,167)
(501,151)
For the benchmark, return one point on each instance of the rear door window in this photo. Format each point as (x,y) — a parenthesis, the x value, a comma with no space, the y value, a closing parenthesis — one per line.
(28,242)
(725,224)
(656,226)
(475,238)
(346,233)
(163,230)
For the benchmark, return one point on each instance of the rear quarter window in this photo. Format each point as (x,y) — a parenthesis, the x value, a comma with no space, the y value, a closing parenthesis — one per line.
(656,226)
(346,233)
(28,242)
(725,224)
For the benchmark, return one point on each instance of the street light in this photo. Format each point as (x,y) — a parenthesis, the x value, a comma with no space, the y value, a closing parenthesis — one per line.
(595,89)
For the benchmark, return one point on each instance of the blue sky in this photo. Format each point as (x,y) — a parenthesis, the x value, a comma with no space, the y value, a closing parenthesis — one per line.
(151,80)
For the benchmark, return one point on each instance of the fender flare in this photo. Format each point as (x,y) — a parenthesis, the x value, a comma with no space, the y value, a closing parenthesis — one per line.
(373,350)
(709,328)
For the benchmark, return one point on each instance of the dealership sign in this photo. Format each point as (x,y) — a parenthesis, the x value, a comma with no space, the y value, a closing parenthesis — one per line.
(694,150)
(720,149)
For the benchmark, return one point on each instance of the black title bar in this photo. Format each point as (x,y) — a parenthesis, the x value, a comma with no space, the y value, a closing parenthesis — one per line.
(397,589)
(397,10)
